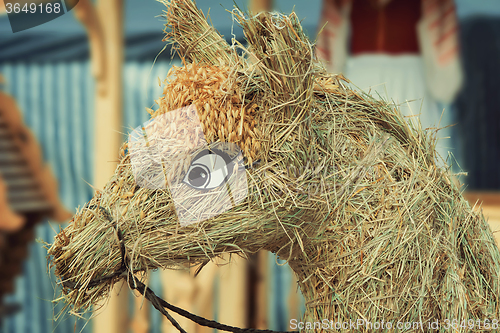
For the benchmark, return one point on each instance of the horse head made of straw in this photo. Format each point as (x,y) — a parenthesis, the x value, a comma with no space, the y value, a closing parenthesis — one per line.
(334,182)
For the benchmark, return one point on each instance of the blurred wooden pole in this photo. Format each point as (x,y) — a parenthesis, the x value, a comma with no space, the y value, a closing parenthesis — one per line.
(108,117)
(194,294)
(232,292)
(205,294)
(104,24)
(140,322)
(293,297)
(257,6)
(178,289)
(108,126)
(263,277)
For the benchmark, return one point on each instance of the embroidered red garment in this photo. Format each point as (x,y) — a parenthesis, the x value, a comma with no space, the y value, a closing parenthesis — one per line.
(428,28)
(389,28)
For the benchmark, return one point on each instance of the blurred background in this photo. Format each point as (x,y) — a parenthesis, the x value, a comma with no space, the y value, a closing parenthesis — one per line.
(81,81)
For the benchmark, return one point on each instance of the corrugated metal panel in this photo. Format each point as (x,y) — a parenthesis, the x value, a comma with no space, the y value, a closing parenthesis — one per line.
(56,101)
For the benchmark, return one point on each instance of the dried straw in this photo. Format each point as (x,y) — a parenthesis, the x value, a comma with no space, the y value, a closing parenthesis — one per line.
(348,191)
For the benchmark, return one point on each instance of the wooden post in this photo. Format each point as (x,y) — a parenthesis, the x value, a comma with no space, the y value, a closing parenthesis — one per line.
(293,297)
(232,292)
(104,24)
(257,6)
(179,289)
(108,117)
(194,294)
(263,276)
(205,294)
(140,321)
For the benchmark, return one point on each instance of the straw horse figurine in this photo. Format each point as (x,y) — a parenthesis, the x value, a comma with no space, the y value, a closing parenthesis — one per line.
(338,184)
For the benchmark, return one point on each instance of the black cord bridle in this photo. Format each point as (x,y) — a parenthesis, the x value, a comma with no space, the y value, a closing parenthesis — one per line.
(159,303)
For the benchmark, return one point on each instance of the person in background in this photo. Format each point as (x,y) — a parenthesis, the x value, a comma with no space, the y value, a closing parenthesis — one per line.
(406,51)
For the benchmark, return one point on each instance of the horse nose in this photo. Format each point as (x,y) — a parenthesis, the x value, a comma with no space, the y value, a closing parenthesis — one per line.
(64,253)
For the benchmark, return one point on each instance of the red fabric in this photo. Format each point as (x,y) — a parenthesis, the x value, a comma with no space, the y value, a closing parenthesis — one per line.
(385,29)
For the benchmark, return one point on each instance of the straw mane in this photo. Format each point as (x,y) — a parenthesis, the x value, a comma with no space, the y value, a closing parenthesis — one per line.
(347,191)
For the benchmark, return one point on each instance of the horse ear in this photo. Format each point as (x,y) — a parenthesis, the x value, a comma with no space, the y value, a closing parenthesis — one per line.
(193,38)
(284,57)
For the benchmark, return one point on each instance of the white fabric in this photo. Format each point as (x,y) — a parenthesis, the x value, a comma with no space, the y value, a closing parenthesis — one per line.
(334,38)
(443,78)
(437,35)
(401,79)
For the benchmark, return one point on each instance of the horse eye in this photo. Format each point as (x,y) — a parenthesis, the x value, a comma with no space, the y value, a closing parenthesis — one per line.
(208,170)
(198,176)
